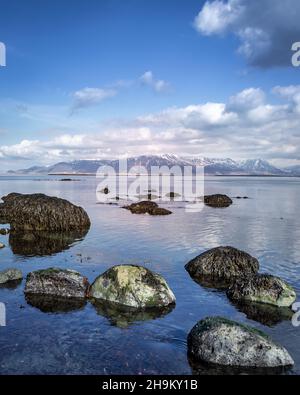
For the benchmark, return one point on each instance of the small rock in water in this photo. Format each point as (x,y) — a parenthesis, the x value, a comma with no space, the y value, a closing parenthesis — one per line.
(10,275)
(4,232)
(223,342)
(222,264)
(57,282)
(2,245)
(133,286)
(263,288)
(218,201)
(147,207)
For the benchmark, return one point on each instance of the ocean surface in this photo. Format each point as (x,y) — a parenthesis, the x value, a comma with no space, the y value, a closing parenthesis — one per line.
(84,339)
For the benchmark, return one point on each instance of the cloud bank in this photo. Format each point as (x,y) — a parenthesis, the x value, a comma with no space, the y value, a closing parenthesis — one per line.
(266,29)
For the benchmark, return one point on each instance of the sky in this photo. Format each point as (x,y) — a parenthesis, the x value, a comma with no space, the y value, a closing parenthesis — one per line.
(114,78)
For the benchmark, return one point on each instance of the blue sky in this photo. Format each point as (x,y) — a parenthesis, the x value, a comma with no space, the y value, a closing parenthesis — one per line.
(103,78)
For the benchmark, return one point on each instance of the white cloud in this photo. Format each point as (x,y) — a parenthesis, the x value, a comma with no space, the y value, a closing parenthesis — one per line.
(158,85)
(247,126)
(90,96)
(266,28)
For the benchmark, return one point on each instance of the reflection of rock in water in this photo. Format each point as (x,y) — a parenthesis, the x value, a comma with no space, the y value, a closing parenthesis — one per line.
(43,243)
(265,314)
(53,304)
(11,284)
(123,316)
(204,369)
(211,283)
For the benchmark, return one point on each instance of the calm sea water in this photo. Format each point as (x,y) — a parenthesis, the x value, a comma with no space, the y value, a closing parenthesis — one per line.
(88,340)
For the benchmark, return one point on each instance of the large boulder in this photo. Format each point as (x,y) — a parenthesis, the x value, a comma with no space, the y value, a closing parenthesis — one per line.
(222,342)
(132,286)
(262,288)
(41,212)
(57,282)
(222,264)
(218,201)
(10,275)
(147,207)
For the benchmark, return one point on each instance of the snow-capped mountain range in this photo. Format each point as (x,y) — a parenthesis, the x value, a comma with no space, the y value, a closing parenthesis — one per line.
(213,166)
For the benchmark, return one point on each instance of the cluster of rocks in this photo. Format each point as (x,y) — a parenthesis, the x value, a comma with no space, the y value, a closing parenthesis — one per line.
(147,207)
(220,341)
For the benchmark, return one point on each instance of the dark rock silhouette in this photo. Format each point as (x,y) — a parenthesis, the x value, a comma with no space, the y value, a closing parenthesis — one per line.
(41,212)
(218,201)
(147,207)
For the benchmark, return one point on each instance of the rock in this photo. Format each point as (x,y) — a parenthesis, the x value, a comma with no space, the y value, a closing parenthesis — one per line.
(2,246)
(222,264)
(228,343)
(263,288)
(132,286)
(41,212)
(105,191)
(218,201)
(54,304)
(57,282)
(147,207)
(4,232)
(173,195)
(10,275)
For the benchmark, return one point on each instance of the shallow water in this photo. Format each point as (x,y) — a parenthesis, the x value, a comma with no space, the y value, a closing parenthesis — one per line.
(87,339)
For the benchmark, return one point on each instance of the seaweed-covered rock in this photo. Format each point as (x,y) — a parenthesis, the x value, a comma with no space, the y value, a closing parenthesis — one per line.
(133,286)
(41,212)
(263,288)
(223,342)
(147,207)
(218,201)
(57,282)
(10,275)
(222,264)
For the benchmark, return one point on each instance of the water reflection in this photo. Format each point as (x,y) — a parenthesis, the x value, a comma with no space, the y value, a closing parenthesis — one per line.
(43,243)
(263,313)
(123,316)
(54,304)
(11,285)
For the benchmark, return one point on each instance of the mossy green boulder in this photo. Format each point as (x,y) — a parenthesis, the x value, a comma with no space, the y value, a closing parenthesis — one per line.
(219,341)
(10,275)
(133,286)
(263,288)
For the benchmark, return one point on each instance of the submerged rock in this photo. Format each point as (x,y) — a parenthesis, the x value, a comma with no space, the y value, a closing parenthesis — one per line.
(57,282)
(222,264)
(263,288)
(10,275)
(147,207)
(132,286)
(41,212)
(124,316)
(218,201)
(223,342)
(41,243)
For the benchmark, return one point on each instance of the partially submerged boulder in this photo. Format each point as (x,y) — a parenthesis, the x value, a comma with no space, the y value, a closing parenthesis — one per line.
(147,207)
(223,342)
(57,282)
(263,288)
(41,212)
(9,275)
(222,264)
(218,201)
(133,286)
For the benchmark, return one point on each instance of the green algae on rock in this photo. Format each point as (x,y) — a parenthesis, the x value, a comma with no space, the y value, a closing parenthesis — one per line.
(263,288)
(10,275)
(133,286)
(219,341)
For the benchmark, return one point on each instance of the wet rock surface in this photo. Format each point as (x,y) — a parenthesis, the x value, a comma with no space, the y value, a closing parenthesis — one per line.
(132,286)
(222,264)
(41,212)
(10,275)
(57,282)
(222,342)
(218,201)
(263,288)
(147,207)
